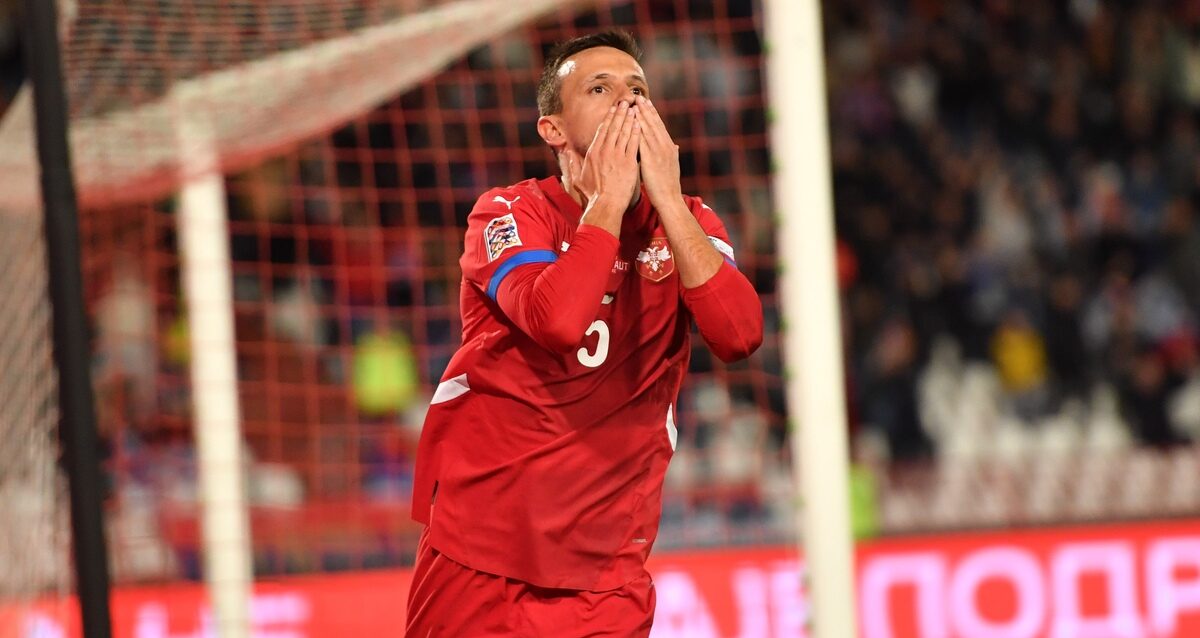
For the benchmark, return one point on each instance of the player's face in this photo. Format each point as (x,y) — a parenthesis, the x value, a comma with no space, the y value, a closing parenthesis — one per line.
(592,82)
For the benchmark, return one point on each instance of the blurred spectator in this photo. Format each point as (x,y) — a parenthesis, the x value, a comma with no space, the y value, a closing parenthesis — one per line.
(1145,392)
(890,392)
(126,351)
(385,374)
(1182,244)
(387,461)
(1020,356)
(1064,341)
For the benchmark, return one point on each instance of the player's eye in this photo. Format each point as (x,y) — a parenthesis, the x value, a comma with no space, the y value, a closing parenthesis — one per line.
(597,89)
(638,90)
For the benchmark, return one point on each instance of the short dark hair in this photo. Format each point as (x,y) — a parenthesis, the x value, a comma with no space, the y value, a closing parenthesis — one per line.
(549,96)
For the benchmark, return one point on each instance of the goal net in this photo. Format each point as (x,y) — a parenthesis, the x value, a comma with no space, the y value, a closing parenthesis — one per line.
(34,535)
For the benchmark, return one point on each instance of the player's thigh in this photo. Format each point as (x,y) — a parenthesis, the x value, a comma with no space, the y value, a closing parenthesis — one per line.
(627,612)
(449,600)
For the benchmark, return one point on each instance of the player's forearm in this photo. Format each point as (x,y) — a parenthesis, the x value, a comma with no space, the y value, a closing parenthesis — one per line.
(555,303)
(728,313)
(695,258)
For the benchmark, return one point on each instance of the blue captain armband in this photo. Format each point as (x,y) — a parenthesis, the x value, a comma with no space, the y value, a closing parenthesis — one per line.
(519,259)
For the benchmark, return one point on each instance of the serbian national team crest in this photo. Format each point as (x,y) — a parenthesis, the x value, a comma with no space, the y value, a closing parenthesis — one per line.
(654,262)
(500,235)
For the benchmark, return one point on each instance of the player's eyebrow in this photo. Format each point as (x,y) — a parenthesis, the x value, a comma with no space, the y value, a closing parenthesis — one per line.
(605,76)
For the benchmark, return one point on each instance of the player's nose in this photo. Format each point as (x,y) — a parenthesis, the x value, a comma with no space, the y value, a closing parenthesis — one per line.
(627,96)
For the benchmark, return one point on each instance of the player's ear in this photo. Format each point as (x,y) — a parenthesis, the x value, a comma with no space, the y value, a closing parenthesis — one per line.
(552,132)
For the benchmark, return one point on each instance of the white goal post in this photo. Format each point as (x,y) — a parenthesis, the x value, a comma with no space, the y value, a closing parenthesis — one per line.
(812,351)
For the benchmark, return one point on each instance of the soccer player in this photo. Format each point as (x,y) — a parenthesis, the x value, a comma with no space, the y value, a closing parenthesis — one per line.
(541,462)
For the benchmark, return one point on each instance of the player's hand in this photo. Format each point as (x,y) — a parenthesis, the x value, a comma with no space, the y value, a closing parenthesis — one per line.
(659,158)
(610,170)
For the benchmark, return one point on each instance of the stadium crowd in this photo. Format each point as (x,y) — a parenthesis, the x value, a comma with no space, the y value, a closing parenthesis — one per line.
(1022,178)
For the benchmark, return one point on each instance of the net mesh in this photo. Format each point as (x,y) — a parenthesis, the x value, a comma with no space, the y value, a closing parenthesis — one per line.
(139,72)
(34,536)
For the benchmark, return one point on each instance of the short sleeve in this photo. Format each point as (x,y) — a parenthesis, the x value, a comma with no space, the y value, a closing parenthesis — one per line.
(507,228)
(712,226)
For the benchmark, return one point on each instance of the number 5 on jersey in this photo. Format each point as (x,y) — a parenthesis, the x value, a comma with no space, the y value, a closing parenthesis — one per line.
(597,358)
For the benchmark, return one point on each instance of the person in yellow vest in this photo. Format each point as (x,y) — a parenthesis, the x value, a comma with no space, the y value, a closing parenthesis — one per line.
(1019,352)
(385,373)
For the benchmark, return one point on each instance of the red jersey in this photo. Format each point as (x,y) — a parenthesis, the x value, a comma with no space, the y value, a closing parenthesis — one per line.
(544,449)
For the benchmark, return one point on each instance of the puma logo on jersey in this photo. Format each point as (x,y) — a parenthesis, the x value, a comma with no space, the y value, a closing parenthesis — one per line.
(505,201)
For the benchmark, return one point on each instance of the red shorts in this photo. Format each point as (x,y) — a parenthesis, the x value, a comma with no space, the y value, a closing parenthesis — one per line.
(449,600)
